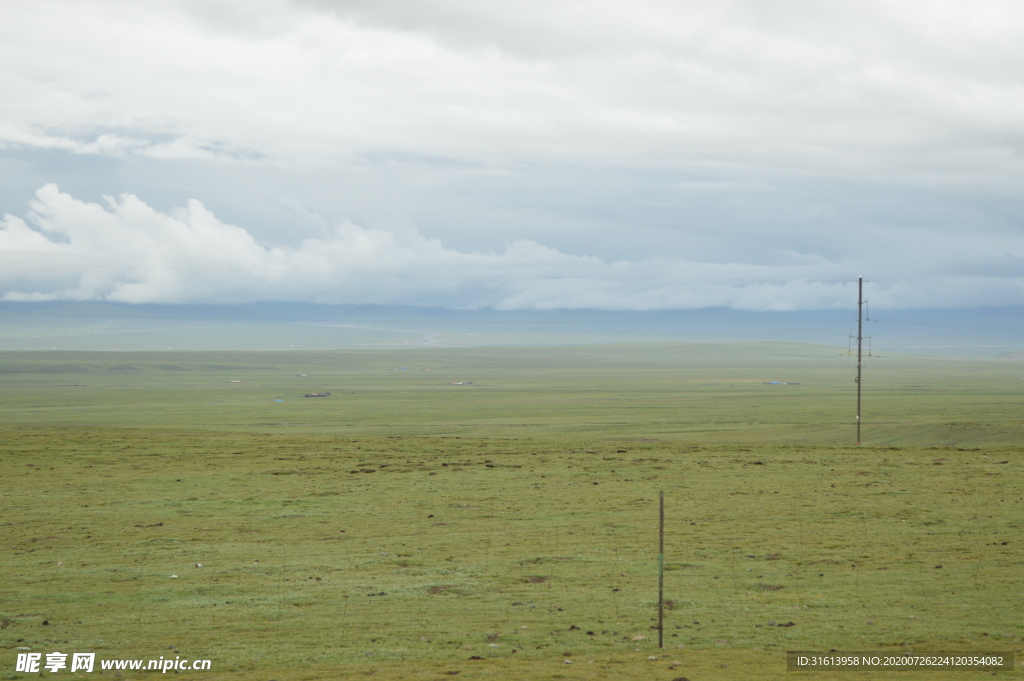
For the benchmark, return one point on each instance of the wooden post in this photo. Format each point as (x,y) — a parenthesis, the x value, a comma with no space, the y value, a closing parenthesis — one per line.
(661,571)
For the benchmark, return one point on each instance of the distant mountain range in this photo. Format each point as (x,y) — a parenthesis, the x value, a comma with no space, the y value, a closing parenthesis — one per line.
(70,325)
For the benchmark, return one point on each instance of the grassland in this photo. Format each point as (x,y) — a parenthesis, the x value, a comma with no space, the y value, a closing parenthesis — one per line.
(403,525)
(684,392)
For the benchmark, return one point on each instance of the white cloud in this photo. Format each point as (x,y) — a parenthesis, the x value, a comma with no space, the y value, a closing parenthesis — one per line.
(128,252)
(910,89)
(567,153)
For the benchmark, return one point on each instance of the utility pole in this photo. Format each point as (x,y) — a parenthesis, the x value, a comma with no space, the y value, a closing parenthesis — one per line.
(661,571)
(860,343)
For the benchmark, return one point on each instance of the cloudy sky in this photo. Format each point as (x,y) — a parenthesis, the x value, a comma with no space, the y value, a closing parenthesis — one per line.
(537,154)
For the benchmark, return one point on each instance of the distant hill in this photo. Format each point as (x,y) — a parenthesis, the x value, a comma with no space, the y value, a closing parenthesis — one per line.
(70,325)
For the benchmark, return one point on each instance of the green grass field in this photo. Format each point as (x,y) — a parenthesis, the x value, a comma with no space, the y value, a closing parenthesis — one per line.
(406,528)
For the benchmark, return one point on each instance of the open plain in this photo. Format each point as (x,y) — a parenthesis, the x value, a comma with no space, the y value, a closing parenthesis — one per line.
(491,513)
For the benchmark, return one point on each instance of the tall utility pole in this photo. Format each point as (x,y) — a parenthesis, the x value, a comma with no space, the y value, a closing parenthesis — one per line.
(860,343)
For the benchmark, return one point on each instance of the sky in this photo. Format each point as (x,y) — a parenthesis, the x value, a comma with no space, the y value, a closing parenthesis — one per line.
(539,154)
